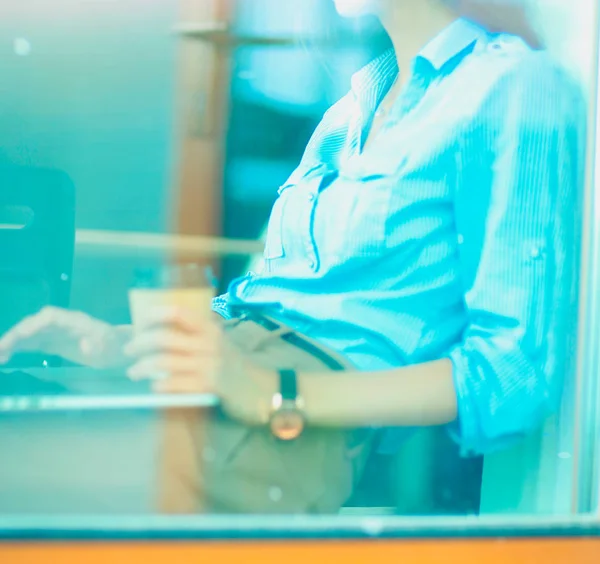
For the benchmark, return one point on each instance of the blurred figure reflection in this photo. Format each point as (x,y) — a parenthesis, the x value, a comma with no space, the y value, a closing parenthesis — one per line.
(420,270)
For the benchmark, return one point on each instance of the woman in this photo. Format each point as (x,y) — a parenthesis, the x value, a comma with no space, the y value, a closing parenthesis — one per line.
(427,236)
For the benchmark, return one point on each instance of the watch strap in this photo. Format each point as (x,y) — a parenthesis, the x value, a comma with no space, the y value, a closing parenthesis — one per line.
(288,385)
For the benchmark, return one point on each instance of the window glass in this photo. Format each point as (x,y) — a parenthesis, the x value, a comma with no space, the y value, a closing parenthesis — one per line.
(307,257)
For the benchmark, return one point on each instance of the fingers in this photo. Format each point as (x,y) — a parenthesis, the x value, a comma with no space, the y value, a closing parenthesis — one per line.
(181,385)
(15,339)
(176,332)
(173,374)
(161,366)
(166,340)
(23,330)
(181,318)
(34,332)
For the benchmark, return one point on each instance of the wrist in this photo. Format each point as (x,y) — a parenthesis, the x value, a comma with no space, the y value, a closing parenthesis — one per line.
(288,417)
(268,387)
(252,399)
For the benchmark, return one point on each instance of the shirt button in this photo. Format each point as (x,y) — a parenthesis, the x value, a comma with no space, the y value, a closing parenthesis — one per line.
(311,197)
(460,239)
(312,264)
(535,253)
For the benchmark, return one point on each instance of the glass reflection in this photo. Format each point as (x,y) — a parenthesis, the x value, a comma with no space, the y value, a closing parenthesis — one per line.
(413,311)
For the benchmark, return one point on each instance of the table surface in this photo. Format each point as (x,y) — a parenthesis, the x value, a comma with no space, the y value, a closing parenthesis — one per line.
(83,389)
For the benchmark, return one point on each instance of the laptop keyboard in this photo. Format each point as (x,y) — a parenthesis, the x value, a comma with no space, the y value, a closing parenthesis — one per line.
(19,383)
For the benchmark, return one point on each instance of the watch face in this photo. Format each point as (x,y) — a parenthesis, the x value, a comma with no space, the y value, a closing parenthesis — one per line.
(287,424)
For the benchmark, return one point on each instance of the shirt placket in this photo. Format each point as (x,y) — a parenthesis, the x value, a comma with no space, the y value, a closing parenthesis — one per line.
(355,131)
(312,189)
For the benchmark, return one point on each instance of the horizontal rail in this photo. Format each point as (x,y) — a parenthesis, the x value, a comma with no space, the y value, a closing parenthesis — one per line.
(125,243)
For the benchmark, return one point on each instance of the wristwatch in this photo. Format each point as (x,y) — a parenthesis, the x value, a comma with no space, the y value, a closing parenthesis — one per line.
(287,419)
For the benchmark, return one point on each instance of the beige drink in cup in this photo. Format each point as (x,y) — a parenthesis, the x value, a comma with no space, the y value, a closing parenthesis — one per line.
(183,286)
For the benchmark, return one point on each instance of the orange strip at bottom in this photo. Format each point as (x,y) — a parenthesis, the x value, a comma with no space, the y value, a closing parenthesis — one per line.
(513,551)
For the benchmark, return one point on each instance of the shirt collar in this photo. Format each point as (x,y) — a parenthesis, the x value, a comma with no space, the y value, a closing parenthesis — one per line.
(370,84)
(378,76)
(446,45)
(457,37)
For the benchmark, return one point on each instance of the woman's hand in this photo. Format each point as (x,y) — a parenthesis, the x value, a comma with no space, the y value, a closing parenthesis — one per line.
(72,335)
(183,354)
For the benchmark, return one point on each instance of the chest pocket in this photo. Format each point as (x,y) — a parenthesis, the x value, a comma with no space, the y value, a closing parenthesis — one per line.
(352,217)
(281,220)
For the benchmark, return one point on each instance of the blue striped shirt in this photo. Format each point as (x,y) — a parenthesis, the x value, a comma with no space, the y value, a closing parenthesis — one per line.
(454,234)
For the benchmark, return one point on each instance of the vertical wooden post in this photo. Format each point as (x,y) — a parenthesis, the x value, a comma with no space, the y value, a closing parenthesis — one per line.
(202,103)
(202,109)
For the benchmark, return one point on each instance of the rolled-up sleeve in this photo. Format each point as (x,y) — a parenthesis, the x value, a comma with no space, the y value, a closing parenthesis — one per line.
(224,303)
(220,305)
(519,222)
